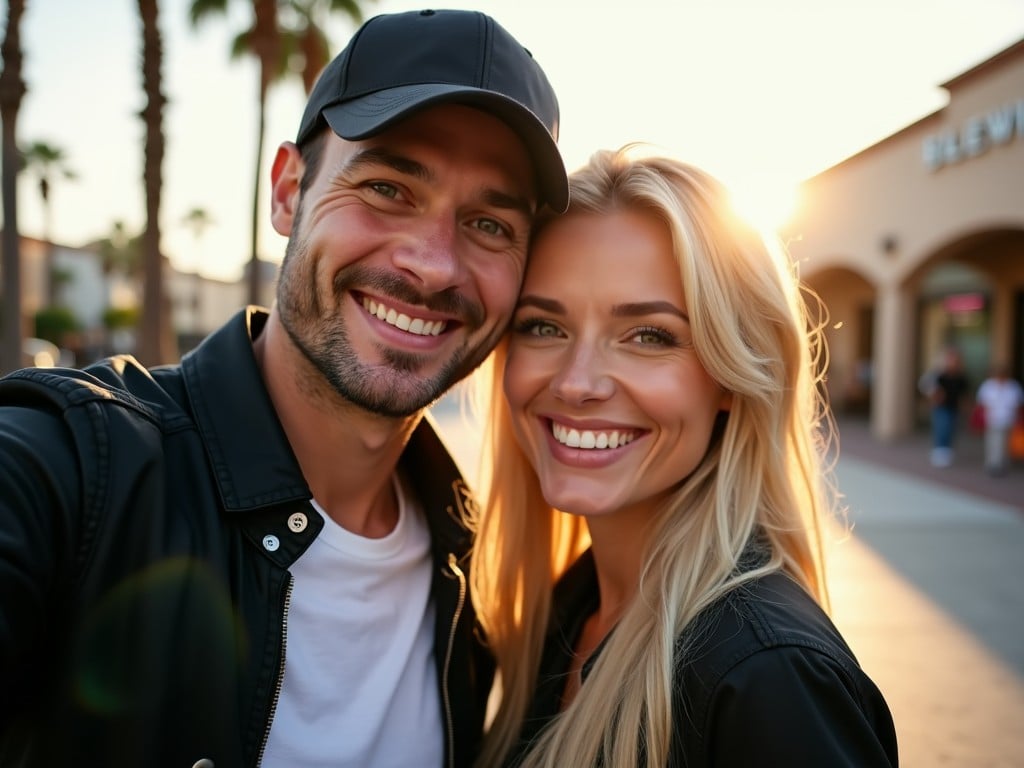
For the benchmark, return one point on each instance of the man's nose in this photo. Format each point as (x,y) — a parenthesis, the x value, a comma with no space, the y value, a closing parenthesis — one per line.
(430,255)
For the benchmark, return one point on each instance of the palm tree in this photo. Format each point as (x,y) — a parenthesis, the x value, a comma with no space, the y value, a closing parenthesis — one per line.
(47,163)
(156,341)
(273,44)
(198,220)
(121,256)
(262,40)
(12,88)
(120,252)
(305,41)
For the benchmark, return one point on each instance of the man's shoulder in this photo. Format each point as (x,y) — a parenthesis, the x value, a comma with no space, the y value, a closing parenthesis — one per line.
(119,381)
(157,393)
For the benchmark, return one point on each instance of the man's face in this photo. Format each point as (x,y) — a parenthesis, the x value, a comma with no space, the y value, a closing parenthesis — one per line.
(406,254)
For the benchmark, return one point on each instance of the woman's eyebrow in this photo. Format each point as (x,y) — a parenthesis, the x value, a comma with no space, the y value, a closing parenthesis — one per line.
(631,309)
(640,308)
(547,305)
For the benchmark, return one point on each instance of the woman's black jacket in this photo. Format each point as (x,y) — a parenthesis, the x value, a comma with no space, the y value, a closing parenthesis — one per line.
(763,679)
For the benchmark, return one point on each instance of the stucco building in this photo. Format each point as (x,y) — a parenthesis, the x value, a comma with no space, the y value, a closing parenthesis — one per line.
(917,242)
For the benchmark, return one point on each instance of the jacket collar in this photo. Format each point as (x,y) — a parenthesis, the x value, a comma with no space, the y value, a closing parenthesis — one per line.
(448,502)
(251,459)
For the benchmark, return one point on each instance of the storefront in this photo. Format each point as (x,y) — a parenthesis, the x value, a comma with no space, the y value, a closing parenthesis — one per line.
(917,243)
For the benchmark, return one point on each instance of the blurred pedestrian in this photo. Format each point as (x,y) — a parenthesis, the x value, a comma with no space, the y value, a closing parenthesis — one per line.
(1001,398)
(945,387)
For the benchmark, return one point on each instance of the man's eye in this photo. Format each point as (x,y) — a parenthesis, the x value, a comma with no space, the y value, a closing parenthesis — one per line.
(384,189)
(490,227)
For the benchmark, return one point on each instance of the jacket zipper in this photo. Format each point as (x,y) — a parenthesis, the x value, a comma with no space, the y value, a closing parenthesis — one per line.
(449,721)
(280,672)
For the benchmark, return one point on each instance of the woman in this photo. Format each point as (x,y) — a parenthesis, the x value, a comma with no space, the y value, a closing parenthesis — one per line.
(660,390)
(1001,399)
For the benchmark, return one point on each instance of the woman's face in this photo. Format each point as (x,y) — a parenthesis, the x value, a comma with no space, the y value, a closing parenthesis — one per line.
(607,395)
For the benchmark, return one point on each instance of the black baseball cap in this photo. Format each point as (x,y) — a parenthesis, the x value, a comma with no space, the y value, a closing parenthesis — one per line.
(398,63)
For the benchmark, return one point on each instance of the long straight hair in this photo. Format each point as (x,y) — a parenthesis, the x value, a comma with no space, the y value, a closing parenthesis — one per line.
(763,474)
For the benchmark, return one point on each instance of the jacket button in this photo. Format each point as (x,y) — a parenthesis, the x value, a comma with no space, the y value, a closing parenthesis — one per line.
(298,522)
(270,543)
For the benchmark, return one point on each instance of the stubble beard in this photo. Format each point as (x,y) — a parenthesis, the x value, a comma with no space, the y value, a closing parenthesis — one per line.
(390,388)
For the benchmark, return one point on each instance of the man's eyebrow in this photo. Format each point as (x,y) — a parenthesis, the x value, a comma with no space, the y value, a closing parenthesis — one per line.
(510,202)
(380,156)
(373,156)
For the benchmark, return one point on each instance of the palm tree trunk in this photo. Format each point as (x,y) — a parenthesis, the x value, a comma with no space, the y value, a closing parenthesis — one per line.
(12,88)
(51,255)
(156,344)
(266,43)
(255,274)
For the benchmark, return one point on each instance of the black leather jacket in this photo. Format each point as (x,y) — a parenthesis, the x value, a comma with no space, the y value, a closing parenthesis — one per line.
(766,680)
(147,523)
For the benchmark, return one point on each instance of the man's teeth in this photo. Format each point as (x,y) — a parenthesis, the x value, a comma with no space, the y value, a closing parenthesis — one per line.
(415,325)
(589,439)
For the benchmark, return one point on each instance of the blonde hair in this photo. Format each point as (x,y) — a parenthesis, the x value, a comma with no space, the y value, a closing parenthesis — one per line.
(764,474)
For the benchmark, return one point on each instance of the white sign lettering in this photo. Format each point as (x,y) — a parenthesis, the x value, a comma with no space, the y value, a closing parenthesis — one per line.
(978,134)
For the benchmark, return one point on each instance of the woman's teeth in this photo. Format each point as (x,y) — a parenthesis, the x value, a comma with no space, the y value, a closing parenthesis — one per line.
(590,439)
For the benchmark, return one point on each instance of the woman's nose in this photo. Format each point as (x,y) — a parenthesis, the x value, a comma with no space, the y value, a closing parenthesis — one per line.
(583,376)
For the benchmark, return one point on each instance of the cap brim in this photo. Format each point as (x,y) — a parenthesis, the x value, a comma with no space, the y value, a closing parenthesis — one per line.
(366,116)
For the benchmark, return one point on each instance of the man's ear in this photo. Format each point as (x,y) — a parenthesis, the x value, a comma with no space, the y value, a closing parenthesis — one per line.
(285,176)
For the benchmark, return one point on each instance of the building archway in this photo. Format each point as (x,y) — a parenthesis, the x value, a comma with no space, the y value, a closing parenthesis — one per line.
(849,298)
(970,295)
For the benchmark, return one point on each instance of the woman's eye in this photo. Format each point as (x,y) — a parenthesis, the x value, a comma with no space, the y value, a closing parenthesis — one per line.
(534,327)
(655,336)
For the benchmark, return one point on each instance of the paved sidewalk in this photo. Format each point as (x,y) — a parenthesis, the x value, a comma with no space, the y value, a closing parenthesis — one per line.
(929,591)
(909,455)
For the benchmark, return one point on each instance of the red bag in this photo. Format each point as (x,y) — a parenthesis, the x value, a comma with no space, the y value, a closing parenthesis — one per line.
(977,420)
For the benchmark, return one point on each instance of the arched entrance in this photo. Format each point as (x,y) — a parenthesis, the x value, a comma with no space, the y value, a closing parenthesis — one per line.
(850,301)
(970,295)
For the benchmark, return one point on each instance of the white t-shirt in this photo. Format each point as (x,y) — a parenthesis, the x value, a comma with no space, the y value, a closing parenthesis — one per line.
(360,684)
(1001,400)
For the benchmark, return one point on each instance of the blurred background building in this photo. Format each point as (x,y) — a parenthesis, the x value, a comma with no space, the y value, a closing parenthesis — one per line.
(88,305)
(917,243)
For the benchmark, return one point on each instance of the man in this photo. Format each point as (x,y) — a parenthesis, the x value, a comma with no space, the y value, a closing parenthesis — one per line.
(945,388)
(258,557)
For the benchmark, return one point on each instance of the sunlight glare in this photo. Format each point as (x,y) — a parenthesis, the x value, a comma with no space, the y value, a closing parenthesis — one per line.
(767,202)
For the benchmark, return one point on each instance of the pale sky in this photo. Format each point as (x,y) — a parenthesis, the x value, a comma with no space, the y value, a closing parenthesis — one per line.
(762,93)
